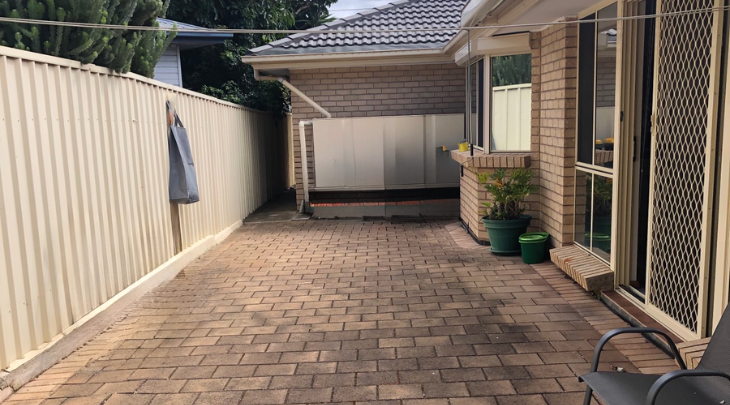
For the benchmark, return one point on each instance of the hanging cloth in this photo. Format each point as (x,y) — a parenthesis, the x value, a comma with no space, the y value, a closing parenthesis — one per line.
(183,180)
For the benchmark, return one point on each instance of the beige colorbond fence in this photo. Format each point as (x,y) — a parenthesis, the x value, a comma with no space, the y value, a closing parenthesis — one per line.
(84,211)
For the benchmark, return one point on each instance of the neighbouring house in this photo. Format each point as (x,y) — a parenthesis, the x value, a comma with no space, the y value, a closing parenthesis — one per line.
(395,100)
(619,114)
(169,68)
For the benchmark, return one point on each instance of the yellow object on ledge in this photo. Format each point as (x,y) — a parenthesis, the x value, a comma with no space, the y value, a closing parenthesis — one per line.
(463,147)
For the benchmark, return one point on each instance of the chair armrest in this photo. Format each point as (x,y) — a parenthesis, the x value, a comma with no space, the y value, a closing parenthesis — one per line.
(643,331)
(666,378)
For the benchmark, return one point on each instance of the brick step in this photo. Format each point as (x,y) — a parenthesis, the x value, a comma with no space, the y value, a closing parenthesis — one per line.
(692,351)
(591,273)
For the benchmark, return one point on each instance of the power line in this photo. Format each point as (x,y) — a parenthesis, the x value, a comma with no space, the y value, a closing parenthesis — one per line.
(349,31)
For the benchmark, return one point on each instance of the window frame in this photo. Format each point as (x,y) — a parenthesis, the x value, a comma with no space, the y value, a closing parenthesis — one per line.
(474,134)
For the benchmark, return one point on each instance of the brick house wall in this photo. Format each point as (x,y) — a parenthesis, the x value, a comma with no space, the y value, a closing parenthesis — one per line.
(440,89)
(554,122)
(372,92)
(606,81)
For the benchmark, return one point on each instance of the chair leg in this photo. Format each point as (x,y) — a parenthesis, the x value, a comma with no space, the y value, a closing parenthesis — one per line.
(589,396)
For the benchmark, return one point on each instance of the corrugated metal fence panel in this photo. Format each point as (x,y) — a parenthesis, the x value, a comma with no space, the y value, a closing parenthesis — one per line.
(84,210)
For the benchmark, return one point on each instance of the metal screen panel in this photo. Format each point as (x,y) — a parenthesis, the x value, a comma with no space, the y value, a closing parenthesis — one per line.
(384,153)
(680,169)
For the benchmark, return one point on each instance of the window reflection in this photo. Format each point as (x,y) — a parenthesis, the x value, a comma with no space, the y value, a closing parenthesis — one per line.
(511,103)
(586,88)
(474,102)
(605,93)
(582,208)
(601,211)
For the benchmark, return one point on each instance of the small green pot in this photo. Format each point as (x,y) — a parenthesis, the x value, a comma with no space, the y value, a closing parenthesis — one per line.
(602,242)
(602,225)
(534,247)
(504,236)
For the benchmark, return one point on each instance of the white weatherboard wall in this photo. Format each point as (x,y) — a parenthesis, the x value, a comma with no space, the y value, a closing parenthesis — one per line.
(168,68)
(84,209)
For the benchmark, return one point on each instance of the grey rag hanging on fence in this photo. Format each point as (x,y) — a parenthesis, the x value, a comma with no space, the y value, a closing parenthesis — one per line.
(183,179)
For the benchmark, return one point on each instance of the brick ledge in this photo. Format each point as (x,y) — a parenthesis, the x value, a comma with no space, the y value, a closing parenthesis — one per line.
(591,273)
(483,160)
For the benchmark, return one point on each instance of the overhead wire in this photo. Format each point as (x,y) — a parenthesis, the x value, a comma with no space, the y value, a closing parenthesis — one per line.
(70,24)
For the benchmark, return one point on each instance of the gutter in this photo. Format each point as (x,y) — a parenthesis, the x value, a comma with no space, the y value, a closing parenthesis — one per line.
(285,61)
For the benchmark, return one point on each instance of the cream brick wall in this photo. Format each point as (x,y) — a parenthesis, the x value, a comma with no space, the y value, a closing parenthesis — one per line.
(371,92)
(554,121)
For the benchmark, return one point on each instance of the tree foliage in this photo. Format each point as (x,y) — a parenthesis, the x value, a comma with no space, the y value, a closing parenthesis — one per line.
(510,70)
(218,70)
(122,51)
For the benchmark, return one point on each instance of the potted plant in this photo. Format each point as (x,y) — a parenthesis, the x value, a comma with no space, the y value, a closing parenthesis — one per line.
(504,216)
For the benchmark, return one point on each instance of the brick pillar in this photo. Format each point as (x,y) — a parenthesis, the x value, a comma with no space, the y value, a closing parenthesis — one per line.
(554,102)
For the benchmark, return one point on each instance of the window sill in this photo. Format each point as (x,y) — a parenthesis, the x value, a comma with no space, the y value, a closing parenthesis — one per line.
(484,160)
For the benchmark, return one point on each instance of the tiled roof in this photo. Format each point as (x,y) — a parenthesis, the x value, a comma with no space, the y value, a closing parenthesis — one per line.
(397,15)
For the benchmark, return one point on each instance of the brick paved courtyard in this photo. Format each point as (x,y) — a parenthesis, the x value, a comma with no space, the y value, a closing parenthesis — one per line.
(347,312)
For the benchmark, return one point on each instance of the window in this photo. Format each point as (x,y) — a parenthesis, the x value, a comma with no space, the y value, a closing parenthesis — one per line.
(505,100)
(476,104)
(583,192)
(596,132)
(597,90)
(511,103)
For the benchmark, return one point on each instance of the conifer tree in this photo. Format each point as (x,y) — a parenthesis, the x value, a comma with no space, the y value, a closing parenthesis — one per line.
(152,43)
(115,49)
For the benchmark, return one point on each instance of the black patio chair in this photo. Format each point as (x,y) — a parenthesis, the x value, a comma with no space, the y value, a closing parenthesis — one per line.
(708,384)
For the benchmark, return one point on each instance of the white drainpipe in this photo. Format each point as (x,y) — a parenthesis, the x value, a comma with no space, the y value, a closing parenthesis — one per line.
(305,164)
(294,90)
(302,130)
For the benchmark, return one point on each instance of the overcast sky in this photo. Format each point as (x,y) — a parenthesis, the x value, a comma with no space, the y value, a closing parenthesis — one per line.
(344,8)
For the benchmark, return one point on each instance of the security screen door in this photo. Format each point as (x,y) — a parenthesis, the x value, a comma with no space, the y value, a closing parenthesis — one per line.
(683,163)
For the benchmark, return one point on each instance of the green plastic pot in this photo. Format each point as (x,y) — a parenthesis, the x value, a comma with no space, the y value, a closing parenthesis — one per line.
(602,242)
(534,247)
(602,225)
(504,235)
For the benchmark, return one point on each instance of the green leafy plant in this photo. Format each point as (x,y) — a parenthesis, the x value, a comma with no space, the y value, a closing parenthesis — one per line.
(512,69)
(602,197)
(508,192)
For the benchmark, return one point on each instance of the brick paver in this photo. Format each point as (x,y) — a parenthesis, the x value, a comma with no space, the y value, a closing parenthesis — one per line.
(343,312)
